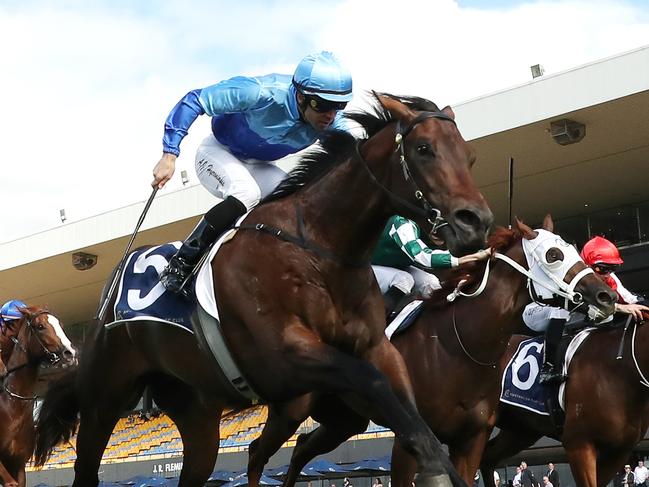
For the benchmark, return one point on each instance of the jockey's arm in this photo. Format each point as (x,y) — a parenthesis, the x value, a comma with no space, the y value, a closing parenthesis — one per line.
(230,96)
(632,306)
(406,235)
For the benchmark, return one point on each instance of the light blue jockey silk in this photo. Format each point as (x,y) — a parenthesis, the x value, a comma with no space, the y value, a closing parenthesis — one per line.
(256,118)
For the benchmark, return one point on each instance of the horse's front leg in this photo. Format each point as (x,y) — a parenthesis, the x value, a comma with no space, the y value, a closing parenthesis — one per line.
(338,423)
(583,463)
(283,421)
(322,367)
(466,456)
(389,361)
(7,479)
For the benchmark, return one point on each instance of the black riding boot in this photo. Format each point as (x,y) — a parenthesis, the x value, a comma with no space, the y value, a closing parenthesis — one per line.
(214,223)
(549,372)
(395,299)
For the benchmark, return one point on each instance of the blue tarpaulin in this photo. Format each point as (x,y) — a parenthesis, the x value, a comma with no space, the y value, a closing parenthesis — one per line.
(370,465)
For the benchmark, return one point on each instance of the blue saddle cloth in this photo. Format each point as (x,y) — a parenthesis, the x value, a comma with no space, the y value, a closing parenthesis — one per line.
(520,385)
(142,296)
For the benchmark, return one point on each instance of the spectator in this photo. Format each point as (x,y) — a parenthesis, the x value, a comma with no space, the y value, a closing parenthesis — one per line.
(517,478)
(553,475)
(640,474)
(527,477)
(628,478)
(377,482)
(546,481)
(347,483)
(496,479)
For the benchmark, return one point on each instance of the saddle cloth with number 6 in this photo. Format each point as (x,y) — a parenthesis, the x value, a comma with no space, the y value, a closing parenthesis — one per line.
(520,381)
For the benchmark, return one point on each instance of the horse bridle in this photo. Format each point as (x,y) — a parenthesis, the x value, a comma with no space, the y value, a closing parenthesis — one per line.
(53,357)
(427,210)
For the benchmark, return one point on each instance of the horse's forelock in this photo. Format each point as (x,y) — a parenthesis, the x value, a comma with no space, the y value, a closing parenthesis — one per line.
(503,238)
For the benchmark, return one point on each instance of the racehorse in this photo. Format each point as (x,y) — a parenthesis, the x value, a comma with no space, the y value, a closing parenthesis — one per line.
(452,351)
(606,404)
(37,337)
(299,306)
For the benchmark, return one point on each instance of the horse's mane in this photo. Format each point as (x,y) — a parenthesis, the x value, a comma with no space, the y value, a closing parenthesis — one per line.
(501,240)
(336,146)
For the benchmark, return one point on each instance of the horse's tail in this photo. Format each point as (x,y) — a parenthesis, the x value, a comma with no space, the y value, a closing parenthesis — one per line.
(58,417)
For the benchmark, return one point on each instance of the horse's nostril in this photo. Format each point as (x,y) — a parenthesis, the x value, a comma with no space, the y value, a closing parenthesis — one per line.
(606,298)
(468,218)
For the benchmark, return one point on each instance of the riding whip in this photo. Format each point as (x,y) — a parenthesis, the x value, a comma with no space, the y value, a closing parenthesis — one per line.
(118,272)
(626,327)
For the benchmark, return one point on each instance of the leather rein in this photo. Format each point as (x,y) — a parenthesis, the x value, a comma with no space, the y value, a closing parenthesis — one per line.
(427,210)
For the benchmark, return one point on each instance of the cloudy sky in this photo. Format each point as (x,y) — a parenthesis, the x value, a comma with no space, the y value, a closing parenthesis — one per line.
(85,85)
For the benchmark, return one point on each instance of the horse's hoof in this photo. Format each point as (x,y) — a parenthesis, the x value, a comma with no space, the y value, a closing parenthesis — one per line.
(428,480)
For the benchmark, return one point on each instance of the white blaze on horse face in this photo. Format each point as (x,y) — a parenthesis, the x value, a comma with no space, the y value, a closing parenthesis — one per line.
(53,320)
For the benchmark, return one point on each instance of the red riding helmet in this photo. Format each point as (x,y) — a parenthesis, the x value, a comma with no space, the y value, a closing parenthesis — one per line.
(598,250)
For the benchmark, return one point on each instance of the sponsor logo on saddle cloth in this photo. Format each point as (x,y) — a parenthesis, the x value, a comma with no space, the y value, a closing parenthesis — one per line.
(520,382)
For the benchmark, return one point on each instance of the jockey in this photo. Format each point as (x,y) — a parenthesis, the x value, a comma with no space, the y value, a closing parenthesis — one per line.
(402,264)
(10,311)
(603,256)
(255,122)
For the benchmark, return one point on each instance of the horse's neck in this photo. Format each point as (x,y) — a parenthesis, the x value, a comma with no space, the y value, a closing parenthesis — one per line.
(346,210)
(23,380)
(494,315)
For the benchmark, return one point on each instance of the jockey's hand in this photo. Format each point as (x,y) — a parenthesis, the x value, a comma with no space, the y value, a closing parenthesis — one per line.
(479,255)
(632,309)
(164,170)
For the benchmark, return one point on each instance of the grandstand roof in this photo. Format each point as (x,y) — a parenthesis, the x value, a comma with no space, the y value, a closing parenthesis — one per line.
(607,168)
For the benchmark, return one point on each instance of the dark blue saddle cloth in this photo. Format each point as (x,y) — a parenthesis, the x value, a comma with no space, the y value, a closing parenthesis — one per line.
(142,296)
(521,378)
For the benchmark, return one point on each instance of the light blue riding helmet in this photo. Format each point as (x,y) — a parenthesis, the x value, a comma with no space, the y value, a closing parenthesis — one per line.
(9,311)
(321,74)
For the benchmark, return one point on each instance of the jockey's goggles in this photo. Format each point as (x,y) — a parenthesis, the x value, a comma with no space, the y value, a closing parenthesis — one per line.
(321,105)
(603,269)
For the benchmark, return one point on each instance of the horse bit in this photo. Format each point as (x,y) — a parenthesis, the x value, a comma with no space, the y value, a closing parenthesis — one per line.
(53,357)
(428,211)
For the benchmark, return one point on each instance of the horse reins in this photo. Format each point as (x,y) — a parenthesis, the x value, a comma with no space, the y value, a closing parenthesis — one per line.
(428,211)
(53,357)
(433,215)
(564,290)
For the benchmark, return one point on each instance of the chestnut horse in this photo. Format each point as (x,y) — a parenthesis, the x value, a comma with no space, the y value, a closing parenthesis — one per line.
(37,337)
(301,313)
(606,404)
(451,351)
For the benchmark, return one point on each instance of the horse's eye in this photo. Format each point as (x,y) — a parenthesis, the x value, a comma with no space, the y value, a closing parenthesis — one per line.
(40,326)
(424,149)
(553,255)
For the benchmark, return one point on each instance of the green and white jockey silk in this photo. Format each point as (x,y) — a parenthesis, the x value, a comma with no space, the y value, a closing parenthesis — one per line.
(401,246)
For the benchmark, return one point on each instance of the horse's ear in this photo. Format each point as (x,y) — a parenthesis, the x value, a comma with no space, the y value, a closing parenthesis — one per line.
(548,224)
(449,111)
(526,231)
(397,109)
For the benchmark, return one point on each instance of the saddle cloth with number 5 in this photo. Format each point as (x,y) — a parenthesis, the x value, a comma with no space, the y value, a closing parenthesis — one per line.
(143,297)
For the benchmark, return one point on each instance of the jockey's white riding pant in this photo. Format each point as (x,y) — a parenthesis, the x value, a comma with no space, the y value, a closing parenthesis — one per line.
(411,279)
(249,180)
(537,317)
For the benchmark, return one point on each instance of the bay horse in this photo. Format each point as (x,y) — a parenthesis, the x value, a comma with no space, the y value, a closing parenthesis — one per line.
(36,338)
(299,314)
(452,353)
(606,406)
